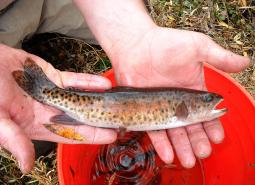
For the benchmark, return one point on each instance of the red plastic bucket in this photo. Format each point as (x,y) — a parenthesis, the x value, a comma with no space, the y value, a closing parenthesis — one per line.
(231,163)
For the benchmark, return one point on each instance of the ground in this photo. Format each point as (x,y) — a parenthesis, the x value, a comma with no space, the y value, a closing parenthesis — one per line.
(230,23)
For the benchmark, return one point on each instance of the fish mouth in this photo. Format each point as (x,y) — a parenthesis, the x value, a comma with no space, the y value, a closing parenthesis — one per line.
(218,112)
(215,113)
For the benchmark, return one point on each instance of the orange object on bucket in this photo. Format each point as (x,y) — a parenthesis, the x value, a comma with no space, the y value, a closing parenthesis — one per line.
(231,162)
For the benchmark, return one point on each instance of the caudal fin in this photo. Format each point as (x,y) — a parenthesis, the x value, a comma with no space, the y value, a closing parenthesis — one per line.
(33,80)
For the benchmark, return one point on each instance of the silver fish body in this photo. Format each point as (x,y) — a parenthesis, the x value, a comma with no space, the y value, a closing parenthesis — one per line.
(135,109)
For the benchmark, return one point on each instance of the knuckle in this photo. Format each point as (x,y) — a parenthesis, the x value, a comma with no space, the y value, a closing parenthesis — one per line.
(197,128)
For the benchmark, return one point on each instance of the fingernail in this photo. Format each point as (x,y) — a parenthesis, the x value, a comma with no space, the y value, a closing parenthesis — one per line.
(21,167)
(168,158)
(101,82)
(218,138)
(202,149)
(109,136)
(204,154)
(19,164)
(190,163)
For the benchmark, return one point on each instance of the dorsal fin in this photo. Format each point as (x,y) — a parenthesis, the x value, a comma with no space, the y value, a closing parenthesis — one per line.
(75,89)
(122,89)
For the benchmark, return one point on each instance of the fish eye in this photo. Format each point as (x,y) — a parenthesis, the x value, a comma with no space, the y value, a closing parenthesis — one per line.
(208,98)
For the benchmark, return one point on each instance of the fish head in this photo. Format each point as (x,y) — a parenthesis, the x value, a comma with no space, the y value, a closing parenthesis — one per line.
(202,107)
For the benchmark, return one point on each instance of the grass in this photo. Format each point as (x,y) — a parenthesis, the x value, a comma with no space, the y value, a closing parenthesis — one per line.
(44,172)
(230,23)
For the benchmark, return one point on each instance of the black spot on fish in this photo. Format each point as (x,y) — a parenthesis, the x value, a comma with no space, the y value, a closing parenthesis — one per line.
(130,118)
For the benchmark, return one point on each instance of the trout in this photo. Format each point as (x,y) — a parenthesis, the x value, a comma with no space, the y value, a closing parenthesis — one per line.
(132,109)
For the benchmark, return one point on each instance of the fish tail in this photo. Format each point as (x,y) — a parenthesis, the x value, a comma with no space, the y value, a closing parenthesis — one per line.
(33,80)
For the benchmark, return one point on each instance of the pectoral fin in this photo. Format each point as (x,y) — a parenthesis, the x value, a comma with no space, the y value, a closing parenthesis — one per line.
(65,120)
(182,111)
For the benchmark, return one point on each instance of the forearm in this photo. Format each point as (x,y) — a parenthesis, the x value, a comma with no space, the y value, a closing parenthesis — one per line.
(116,23)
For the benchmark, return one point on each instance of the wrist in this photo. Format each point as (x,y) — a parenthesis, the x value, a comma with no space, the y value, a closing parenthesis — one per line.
(126,42)
(116,24)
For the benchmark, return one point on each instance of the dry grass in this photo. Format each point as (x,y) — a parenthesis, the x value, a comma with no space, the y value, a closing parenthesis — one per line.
(230,23)
(68,53)
(44,172)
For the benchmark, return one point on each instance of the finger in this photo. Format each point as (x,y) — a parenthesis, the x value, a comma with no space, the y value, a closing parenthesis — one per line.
(75,134)
(199,140)
(182,146)
(162,145)
(219,57)
(86,81)
(14,140)
(214,131)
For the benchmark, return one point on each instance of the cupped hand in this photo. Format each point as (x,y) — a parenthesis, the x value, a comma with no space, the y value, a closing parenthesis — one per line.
(22,118)
(174,58)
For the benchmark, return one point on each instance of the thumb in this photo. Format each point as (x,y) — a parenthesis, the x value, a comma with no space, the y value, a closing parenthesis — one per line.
(221,58)
(14,140)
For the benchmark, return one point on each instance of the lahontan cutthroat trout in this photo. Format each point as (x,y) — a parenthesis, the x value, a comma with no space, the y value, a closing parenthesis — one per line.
(133,109)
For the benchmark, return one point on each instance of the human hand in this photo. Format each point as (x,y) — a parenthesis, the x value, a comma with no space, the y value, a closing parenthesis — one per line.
(144,54)
(174,58)
(22,118)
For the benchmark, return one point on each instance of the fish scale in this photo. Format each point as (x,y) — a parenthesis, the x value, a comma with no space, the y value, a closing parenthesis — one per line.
(135,109)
